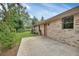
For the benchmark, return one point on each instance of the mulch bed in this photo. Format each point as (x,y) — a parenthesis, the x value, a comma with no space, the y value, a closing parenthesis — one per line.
(10,52)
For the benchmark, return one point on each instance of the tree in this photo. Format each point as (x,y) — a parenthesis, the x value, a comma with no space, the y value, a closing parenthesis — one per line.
(11,15)
(34,20)
(6,7)
(42,18)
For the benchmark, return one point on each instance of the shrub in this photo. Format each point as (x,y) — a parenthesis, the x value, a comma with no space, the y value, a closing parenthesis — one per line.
(6,37)
(6,40)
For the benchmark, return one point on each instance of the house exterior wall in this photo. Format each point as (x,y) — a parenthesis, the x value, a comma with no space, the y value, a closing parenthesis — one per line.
(42,29)
(56,32)
(68,36)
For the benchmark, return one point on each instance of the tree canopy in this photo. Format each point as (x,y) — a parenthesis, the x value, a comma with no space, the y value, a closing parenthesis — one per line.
(13,17)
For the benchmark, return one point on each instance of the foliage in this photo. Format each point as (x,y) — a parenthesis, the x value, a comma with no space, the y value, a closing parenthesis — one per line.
(42,18)
(6,40)
(34,22)
(11,22)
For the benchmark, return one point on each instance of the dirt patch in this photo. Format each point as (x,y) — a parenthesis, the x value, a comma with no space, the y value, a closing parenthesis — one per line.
(10,52)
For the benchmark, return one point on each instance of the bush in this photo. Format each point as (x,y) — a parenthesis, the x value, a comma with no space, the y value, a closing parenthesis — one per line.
(6,40)
(6,37)
(20,30)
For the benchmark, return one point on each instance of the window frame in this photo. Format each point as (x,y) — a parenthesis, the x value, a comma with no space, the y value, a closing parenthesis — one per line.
(65,20)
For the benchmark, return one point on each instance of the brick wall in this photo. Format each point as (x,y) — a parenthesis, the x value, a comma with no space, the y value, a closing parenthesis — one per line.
(67,36)
(42,29)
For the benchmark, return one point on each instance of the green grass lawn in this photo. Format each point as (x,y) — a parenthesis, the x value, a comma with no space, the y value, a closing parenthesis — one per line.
(19,35)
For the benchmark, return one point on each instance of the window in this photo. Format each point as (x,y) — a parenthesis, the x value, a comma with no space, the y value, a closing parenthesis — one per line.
(68,22)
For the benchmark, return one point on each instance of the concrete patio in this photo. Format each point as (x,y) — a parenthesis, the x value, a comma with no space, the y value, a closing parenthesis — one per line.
(41,46)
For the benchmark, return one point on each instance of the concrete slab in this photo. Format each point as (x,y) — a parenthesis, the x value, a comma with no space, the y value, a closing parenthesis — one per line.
(41,46)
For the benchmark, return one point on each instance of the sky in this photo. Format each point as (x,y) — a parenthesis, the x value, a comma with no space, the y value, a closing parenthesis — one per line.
(48,10)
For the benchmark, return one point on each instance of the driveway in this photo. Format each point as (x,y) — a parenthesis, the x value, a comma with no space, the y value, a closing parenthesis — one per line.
(41,46)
